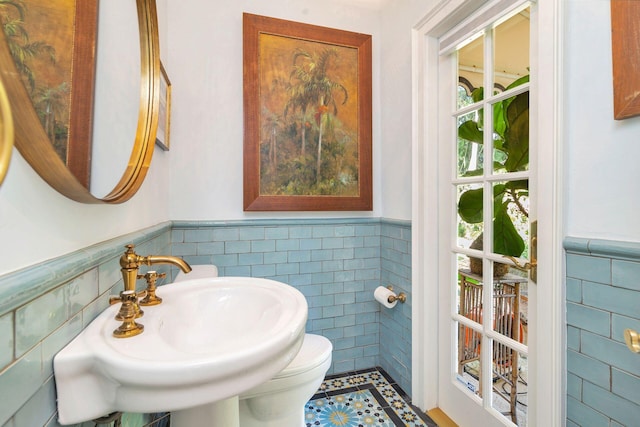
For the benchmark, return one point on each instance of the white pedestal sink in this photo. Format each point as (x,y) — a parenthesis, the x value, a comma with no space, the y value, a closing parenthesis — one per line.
(210,340)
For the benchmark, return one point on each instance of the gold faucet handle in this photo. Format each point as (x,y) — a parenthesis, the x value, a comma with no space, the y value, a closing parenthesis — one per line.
(127,295)
(125,298)
(128,313)
(151,277)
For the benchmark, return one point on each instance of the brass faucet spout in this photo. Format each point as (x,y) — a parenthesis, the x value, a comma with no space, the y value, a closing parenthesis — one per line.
(166,259)
(130,262)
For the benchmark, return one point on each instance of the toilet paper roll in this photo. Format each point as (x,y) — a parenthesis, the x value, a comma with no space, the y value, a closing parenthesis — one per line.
(382,295)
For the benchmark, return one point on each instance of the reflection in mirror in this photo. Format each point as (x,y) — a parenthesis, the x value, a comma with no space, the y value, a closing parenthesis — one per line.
(6,133)
(53,45)
(117,89)
(33,143)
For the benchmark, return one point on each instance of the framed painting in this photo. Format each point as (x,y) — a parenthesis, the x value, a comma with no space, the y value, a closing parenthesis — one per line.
(164,115)
(307,117)
(53,45)
(625,47)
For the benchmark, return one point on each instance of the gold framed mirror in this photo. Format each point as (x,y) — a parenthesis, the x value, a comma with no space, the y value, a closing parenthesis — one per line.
(6,133)
(34,145)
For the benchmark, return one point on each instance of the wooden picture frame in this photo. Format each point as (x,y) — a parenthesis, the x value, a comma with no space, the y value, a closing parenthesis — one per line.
(164,112)
(307,117)
(625,47)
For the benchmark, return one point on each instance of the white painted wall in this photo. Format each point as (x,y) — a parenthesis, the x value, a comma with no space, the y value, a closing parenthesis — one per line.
(396,109)
(37,223)
(601,155)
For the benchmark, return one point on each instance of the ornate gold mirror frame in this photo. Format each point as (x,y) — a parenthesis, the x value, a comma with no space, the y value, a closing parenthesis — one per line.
(6,133)
(34,145)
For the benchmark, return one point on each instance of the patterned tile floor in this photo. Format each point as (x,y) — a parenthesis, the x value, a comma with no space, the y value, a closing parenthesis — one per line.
(363,398)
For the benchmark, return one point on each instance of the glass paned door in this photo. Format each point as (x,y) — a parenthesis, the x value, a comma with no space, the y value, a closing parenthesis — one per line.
(489,195)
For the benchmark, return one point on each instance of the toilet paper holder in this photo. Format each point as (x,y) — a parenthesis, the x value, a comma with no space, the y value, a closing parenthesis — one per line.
(402,297)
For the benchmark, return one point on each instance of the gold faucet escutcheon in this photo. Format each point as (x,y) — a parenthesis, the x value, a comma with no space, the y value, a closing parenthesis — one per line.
(127,314)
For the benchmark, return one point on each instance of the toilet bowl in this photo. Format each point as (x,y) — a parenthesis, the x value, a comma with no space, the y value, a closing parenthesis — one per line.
(280,401)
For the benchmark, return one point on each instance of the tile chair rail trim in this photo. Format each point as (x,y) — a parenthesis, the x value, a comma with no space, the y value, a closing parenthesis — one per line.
(21,286)
(265,222)
(604,248)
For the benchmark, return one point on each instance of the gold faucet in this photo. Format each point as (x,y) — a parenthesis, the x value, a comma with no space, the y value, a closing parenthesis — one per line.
(130,308)
(130,262)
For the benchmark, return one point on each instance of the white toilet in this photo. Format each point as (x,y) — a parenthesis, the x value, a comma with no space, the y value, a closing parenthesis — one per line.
(280,401)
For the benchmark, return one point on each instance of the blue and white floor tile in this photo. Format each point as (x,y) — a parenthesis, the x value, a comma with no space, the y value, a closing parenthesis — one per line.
(363,398)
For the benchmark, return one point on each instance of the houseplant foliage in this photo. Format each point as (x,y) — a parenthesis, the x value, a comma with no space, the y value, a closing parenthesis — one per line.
(511,154)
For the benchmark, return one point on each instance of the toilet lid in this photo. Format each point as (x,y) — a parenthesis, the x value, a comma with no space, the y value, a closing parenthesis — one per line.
(314,351)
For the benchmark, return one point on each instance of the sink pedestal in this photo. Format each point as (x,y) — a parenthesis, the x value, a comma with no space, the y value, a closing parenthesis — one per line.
(223,413)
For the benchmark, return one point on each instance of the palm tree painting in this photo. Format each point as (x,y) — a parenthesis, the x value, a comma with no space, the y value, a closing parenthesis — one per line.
(307,117)
(46,79)
(44,37)
(309,100)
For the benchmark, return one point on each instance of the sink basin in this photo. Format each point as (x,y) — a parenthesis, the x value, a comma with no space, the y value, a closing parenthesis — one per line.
(211,339)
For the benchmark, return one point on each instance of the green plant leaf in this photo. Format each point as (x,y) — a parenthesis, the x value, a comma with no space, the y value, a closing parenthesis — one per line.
(516,136)
(478,94)
(499,191)
(470,203)
(522,80)
(470,206)
(506,240)
(475,172)
(499,120)
(469,130)
(521,184)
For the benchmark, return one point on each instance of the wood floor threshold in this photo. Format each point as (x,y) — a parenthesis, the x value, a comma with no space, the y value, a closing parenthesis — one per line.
(441,418)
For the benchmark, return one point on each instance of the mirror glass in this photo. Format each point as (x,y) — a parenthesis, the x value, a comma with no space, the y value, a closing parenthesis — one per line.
(126,104)
(117,93)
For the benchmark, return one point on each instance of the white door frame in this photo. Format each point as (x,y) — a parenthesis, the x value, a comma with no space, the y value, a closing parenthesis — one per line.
(548,392)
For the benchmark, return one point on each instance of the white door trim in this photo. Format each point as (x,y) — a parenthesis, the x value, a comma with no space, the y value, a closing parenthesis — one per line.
(546,110)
